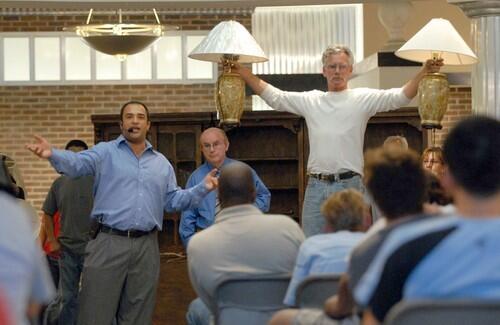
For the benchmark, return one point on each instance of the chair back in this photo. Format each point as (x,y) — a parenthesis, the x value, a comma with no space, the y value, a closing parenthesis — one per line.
(439,312)
(315,289)
(250,300)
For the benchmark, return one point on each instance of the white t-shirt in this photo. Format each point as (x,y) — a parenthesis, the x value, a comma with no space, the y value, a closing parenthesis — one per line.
(336,121)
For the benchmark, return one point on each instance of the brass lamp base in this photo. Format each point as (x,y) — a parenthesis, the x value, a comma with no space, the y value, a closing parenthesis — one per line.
(230,98)
(433,94)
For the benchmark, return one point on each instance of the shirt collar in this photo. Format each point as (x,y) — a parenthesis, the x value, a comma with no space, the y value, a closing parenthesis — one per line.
(121,139)
(241,210)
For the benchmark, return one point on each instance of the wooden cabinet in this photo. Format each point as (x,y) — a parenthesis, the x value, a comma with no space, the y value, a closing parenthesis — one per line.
(275,144)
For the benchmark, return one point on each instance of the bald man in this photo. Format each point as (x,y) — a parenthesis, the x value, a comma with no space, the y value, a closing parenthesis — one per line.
(243,242)
(214,145)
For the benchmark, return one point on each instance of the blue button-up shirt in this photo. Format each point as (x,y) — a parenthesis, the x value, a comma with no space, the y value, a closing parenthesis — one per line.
(130,192)
(203,216)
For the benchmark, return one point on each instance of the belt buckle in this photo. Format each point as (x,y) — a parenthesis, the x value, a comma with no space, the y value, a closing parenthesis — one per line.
(128,233)
(336,177)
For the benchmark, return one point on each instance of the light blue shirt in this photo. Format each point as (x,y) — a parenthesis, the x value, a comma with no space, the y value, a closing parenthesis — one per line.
(24,274)
(319,254)
(203,216)
(130,192)
(464,265)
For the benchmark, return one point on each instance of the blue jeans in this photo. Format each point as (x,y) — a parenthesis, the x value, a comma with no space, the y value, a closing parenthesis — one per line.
(69,285)
(198,313)
(317,192)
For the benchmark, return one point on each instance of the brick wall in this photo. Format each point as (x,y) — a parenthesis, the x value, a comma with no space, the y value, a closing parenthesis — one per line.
(459,106)
(61,113)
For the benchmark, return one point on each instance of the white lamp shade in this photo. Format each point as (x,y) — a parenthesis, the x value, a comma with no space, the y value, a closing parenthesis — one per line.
(437,37)
(229,38)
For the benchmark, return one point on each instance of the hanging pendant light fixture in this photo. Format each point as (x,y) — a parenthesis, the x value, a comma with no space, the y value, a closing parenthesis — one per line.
(120,40)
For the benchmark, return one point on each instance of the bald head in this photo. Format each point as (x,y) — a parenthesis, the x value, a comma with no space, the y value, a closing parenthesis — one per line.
(236,185)
(214,145)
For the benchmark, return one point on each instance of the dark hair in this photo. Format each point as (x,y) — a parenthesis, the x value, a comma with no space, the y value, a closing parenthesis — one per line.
(76,143)
(435,193)
(236,185)
(134,102)
(6,183)
(396,181)
(472,153)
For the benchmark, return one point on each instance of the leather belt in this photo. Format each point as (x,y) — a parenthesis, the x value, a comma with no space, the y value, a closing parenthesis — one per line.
(333,177)
(125,233)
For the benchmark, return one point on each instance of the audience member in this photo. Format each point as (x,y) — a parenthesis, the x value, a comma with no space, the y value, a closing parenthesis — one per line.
(446,258)
(133,185)
(387,175)
(345,213)
(24,275)
(335,119)
(243,242)
(397,142)
(432,160)
(214,145)
(72,198)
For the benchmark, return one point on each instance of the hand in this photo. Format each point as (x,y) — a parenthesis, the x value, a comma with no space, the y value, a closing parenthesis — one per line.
(41,148)
(433,65)
(211,181)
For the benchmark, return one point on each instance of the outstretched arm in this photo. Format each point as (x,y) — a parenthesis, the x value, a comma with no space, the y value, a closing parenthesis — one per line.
(41,147)
(258,85)
(430,66)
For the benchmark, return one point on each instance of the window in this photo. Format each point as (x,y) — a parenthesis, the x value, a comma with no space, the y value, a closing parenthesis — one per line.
(57,58)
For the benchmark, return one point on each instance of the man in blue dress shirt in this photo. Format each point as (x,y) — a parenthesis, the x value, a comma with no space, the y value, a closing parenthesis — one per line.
(133,185)
(214,145)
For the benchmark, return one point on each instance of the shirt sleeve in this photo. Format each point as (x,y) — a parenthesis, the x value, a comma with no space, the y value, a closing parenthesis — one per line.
(187,226)
(383,100)
(178,199)
(288,101)
(83,163)
(50,203)
(263,198)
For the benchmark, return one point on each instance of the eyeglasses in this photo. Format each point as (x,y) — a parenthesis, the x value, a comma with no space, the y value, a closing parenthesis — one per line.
(209,146)
(340,67)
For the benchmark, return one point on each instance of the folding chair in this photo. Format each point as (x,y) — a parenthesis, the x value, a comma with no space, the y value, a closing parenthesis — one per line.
(439,312)
(249,300)
(313,291)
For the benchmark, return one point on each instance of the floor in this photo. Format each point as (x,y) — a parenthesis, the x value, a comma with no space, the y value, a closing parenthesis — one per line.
(174,290)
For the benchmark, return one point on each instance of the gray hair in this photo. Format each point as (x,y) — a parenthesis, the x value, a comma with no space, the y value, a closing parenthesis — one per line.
(337,49)
(396,140)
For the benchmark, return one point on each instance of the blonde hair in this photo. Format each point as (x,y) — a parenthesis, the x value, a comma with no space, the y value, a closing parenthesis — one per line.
(344,210)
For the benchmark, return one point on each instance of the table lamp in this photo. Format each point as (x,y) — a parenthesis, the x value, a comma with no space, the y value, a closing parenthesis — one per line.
(227,43)
(437,39)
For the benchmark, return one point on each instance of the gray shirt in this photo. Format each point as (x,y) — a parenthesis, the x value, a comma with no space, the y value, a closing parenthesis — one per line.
(242,242)
(73,198)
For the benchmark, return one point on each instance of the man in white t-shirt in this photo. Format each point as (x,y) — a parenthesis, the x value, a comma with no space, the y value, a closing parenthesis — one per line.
(336,122)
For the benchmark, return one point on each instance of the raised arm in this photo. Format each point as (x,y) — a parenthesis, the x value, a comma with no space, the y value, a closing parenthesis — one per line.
(411,87)
(258,85)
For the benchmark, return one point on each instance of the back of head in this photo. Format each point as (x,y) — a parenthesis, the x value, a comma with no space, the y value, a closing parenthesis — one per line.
(344,210)
(396,142)
(396,181)
(236,185)
(76,143)
(472,153)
